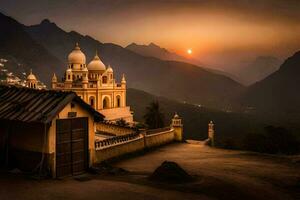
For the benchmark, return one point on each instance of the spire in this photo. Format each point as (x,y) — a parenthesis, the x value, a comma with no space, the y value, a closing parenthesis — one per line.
(123,79)
(77,46)
(96,55)
(54,78)
(30,71)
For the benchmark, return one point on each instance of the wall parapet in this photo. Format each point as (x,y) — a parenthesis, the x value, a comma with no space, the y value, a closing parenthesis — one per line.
(116,140)
(124,144)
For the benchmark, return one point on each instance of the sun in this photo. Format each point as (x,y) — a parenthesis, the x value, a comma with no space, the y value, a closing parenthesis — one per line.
(189,51)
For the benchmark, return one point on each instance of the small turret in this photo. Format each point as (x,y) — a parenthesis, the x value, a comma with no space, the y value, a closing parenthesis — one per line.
(123,81)
(54,81)
(178,128)
(211,133)
(69,78)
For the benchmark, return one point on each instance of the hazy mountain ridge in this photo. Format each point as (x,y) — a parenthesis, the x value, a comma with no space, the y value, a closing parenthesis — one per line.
(173,79)
(18,46)
(256,70)
(277,94)
(153,50)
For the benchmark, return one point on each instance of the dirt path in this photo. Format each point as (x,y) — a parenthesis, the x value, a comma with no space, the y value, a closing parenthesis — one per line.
(225,174)
(220,174)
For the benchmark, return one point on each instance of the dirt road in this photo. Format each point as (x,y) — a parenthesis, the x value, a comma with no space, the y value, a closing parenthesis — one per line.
(220,174)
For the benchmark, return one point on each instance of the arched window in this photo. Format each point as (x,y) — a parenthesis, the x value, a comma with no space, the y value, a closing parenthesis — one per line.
(118,101)
(105,103)
(104,79)
(92,101)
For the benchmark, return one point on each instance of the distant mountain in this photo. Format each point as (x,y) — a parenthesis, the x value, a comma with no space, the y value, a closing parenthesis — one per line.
(279,92)
(153,50)
(172,79)
(17,46)
(258,69)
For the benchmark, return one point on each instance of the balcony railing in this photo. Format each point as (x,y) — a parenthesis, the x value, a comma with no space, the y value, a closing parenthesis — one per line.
(116,140)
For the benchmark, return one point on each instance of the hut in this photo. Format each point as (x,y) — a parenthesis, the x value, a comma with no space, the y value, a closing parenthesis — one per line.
(46,131)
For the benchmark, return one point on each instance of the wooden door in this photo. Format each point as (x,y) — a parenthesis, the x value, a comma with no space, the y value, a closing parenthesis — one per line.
(71,146)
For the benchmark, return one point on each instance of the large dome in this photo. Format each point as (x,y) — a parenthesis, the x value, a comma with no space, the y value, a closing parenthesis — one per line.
(76,56)
(96,64)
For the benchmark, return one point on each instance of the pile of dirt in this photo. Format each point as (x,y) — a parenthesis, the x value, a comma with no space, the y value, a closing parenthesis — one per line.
(170,172)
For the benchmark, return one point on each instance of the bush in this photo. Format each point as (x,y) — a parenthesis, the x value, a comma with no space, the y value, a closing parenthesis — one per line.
(274,140)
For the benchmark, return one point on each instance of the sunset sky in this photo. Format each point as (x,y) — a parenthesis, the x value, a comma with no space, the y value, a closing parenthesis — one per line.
(218,32)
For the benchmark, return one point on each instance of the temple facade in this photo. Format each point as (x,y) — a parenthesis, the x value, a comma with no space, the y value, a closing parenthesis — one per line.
(96,85)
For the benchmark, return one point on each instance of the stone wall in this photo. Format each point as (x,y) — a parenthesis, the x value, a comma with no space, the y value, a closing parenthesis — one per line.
(132,143)
(160,138)
(119,149)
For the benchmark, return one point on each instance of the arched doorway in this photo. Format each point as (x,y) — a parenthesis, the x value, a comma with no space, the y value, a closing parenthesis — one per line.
(104,79)
(92,101)
(106,103)
(118,101)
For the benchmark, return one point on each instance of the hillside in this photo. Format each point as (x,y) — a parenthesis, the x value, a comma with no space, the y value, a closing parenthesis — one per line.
(23,52)
(277,94)
(229,126)
(172,79)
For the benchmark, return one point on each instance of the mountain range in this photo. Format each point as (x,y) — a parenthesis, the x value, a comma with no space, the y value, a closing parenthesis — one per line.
(153,50)
(18,46)
(189,89)
(176,80)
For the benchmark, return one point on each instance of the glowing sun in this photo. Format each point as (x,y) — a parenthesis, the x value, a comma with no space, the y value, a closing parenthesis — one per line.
(189,51)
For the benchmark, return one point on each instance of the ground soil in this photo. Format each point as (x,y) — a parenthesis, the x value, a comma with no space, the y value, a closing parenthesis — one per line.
(219,174)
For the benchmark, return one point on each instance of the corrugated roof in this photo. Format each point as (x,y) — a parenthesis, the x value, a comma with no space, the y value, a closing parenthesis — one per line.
(31,105)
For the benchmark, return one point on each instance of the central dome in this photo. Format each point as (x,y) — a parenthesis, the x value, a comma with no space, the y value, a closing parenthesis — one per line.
(76,56)
(96,64)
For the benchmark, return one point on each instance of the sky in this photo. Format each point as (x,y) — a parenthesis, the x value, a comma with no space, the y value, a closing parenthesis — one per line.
(219,32)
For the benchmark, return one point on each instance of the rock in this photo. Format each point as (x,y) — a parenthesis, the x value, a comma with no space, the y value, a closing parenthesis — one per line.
(170,172)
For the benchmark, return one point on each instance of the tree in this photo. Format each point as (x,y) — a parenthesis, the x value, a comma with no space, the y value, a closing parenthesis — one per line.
(154,117)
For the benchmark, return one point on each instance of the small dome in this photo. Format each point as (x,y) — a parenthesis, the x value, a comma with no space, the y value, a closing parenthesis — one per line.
(96,64)
(31,76)
(176,116)
(110,69)
(76,56)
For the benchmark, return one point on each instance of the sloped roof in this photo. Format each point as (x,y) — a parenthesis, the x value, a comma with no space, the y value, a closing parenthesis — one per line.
(31,105)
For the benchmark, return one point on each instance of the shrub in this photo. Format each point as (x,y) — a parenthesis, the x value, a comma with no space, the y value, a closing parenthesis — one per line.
(273,140)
